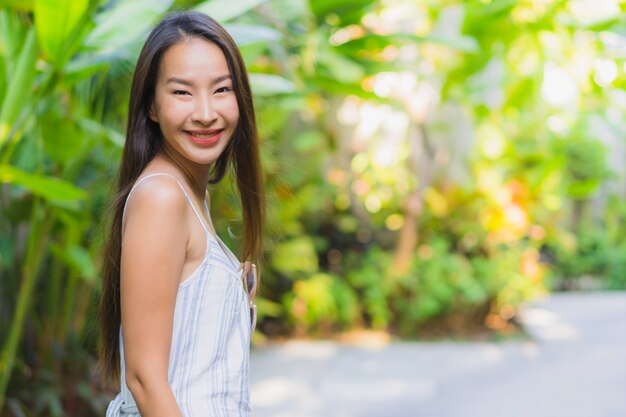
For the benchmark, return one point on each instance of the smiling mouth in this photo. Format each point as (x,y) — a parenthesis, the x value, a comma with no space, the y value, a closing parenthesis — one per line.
(205,134)
(205,137)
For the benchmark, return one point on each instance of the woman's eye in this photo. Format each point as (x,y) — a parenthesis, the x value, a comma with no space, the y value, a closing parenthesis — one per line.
(223,90)
(180,92)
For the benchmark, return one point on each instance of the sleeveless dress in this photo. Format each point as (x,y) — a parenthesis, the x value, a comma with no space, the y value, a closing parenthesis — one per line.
(210,351)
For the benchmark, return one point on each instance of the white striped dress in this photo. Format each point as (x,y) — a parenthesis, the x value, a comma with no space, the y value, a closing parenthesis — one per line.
(209,357)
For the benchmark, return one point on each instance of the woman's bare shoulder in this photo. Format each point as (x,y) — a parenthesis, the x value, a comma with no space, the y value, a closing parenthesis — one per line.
(158,198)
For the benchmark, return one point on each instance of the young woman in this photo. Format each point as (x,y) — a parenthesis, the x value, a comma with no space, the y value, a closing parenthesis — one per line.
(176,304)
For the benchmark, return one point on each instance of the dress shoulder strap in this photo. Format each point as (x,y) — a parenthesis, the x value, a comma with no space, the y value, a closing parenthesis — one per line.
(189,200)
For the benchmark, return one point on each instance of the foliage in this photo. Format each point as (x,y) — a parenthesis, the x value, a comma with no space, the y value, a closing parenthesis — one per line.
(60,134)
(321,302)
(585,165)
(592,254)
(421,159)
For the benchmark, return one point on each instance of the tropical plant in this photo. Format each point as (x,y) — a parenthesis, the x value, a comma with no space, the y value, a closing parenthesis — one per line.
(421,158)
(64,92)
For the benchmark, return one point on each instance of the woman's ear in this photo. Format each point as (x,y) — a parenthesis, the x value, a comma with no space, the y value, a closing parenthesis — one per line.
(152,114)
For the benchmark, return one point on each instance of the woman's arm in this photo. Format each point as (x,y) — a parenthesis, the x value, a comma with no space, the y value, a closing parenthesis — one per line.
(153,254)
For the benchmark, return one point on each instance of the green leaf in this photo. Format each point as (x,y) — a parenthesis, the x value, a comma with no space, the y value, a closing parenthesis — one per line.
(97,129)
(369,43)
(317,296)
(268,308)
(55,20)
(341,68)
(62,139)
(85,67)
(7,251)
(462,43)
(127,21)
(583,189)
(25,5)
(478,11)
(346,11)
(78,258)
(330,85)
(374,42)
(251,52)
(249,34)
(49,188)
(295,255)
(12,34)
(19,89)
(223,11)
(596,22)
(309,141)
(268,84)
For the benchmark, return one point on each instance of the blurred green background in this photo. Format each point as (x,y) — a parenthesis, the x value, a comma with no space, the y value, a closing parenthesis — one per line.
(430,165)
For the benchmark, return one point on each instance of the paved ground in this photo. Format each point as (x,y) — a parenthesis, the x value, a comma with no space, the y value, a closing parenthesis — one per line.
(575,366)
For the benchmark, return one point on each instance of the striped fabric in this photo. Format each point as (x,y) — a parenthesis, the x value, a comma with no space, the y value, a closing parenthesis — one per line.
(209,356)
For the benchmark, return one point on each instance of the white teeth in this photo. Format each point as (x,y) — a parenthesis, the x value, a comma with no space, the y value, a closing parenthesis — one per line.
(198,135)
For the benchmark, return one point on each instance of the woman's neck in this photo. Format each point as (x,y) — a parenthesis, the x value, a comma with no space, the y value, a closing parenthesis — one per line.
(196,175)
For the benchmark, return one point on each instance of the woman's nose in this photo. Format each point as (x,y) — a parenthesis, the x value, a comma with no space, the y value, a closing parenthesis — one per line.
(204,111)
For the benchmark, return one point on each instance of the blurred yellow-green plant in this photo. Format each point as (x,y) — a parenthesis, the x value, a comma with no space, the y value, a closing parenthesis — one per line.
(430,166)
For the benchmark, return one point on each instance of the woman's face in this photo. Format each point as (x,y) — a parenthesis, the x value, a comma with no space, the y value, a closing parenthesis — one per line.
(194,101)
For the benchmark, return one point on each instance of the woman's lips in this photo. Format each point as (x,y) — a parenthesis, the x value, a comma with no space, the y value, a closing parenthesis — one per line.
(208,137)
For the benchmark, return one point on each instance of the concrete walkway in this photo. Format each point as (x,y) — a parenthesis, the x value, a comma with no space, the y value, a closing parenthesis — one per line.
(574,366)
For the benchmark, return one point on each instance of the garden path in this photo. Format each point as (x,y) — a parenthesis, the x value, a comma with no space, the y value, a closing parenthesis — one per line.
(574,365)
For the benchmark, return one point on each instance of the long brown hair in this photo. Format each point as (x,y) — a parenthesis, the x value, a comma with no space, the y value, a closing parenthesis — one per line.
(143,142)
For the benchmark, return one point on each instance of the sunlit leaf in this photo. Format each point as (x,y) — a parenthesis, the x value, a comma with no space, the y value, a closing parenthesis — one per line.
(479,11)
(81,260)
(341,68)
(268,308)
(62,139)
(316,294)
(12,34)
(253,51)
(55,20)
(374,42)
(24,5)
(309,141)
(295,255)
(331,85)
(97,129)
(127,21)
(247,34)
(226,10)
(85,67)
(50,188)
(346,12)
(268,84)
(593,25)
(461,43)
(19,89)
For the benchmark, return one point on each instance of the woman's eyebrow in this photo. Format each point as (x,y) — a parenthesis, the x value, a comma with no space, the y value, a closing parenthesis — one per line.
(221,78)
(191,84)
(179,81)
